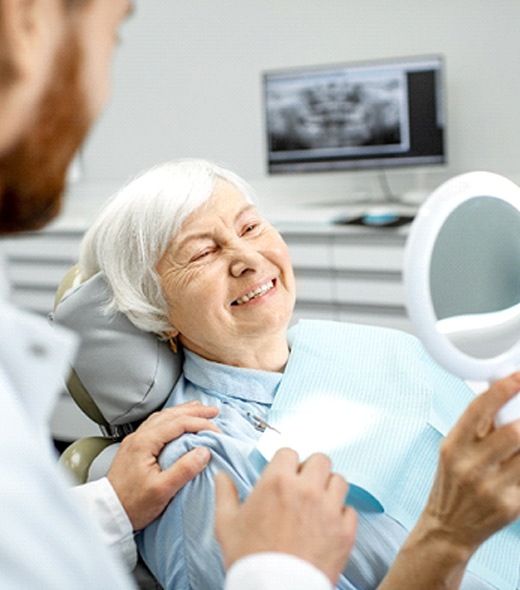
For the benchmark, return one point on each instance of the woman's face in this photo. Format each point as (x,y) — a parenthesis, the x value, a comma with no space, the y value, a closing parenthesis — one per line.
(228,280)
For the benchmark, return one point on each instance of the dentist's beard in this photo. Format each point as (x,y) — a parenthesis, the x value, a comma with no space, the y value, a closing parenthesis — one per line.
(33,173)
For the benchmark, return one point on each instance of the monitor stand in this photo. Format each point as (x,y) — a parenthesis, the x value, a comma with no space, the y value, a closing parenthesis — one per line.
(390,210)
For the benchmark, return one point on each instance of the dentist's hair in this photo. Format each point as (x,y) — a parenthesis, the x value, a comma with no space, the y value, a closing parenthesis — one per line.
(134,229)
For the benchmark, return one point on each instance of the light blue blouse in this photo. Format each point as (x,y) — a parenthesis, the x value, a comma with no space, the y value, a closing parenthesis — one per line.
(180,547)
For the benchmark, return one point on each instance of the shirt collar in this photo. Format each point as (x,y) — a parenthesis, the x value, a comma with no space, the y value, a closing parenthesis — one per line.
(227,381)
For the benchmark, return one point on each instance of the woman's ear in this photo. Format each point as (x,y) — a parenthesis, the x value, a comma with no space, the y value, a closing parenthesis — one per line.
(171,338)
(173,333)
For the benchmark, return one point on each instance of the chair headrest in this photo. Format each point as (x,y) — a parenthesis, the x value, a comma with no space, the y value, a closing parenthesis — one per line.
(128,373)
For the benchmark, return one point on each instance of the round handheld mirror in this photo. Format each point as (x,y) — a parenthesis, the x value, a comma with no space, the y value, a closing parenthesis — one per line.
(462,278)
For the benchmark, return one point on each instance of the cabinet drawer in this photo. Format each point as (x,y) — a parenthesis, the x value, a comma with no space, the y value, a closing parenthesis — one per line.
(366,257)
(310,252)
(42,247)
(318,287)
(37,274)
(369,292)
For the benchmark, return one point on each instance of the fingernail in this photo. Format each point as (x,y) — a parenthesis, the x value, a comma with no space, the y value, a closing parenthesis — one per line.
(203,454)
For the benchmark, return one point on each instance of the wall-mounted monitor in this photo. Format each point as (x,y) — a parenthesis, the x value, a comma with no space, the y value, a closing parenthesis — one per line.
(376,114)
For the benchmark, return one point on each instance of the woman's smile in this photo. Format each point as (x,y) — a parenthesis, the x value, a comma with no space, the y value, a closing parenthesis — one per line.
(255,293)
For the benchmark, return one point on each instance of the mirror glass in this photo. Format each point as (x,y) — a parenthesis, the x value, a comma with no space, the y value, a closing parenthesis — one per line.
(462,275)
(475,289)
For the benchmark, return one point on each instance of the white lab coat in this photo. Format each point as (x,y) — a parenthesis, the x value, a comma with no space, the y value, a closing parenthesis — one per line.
(46,542)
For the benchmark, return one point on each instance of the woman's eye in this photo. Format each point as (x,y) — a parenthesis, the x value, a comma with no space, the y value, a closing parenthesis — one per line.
(250,227)
(201,255)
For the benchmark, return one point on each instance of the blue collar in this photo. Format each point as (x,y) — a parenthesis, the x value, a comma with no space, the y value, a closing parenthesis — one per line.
(226,381)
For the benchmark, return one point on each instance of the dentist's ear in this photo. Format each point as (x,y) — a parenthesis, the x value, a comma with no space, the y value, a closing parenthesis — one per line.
(30,35)
(29,39)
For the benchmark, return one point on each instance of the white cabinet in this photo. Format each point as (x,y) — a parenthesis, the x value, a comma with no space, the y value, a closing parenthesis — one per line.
(349,273)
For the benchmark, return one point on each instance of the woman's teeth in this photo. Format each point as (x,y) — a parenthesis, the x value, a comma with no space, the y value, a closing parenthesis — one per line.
(253,294)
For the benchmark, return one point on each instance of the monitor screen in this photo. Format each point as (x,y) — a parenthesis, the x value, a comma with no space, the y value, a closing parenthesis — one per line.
(358,115)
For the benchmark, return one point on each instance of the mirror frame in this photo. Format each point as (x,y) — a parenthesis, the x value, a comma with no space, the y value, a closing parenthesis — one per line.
(416,273)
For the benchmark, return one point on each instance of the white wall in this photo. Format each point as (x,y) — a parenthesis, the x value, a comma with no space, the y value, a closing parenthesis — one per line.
(187,83)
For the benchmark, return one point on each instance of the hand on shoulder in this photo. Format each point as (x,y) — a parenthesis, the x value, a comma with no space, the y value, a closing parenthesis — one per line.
(142,487)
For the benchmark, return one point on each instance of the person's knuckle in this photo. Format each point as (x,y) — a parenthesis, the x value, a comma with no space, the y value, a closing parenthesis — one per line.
(338,481)
(149,421)
(286,453)
(484,491)
(511,504)
(282,486)
(310,494)
(129,441)
(512,430)
(447,451)
(323,461)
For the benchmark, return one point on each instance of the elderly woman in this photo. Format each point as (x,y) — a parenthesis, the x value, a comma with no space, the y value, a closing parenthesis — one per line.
(189,257)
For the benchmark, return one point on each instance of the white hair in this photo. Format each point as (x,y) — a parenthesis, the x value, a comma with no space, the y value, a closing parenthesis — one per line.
(135,228)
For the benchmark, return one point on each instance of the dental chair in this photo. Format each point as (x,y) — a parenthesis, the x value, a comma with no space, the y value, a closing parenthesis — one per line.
(119,377)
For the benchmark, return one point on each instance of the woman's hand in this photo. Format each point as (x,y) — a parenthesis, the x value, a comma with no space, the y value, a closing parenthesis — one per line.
(476,493)
(295,509)
(477,488)
(142,487)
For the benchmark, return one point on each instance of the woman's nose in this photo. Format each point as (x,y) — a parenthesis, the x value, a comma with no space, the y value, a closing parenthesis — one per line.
(244,258)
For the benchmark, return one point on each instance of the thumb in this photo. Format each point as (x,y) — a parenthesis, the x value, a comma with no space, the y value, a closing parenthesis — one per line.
(502,391)
(226,500)
(185,469)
